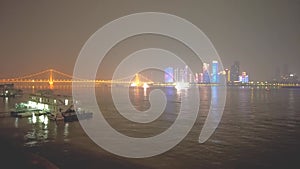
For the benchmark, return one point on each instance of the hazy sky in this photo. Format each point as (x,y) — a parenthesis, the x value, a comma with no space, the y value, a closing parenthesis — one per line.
(262,34)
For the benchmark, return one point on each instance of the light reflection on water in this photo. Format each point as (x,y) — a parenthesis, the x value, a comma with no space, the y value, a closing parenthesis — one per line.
(38,133)
(258,127)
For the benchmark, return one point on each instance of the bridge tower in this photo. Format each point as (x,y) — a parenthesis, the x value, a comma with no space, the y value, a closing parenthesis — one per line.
(137,79)
(51,77)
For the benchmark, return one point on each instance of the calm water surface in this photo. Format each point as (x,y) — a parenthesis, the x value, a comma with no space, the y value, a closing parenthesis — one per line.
(259,129)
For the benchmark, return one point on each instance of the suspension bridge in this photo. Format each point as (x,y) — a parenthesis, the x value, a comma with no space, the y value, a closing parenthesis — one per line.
(52,76)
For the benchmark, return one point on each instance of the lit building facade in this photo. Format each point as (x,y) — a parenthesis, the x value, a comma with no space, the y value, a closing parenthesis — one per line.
(176,74)
(206,78)
(201,78)
(214,71)
(169,75)
(227,74)
(182,75)
(186,74)
(196,78)
(244,78)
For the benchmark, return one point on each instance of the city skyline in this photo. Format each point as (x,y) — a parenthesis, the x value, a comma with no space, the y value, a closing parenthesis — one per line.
(208,74)
(154,84)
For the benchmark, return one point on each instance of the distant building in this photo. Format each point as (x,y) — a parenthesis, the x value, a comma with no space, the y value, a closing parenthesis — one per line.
(201,78)
(235,72)
(191,79)
(7,90)
(169,75)
(196,78)
(181,75)
(206,77)
(244,78)
(227,74)
(186,74)
(214,70)
(291,78)
(176,74)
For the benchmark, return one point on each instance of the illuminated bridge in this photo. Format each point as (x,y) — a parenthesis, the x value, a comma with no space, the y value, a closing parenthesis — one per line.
(52,76)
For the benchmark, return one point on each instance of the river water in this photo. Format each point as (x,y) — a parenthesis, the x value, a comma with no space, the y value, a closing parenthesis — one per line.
(258,129)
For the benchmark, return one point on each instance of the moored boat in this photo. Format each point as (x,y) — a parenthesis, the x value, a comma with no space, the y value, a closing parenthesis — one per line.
(56,116)
(42,102)
(72,115)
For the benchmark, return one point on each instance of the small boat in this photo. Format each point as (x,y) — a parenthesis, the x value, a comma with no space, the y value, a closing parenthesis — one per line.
(72,115)
(56,116)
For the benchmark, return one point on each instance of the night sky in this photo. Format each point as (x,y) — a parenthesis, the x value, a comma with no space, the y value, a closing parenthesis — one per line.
(37,35)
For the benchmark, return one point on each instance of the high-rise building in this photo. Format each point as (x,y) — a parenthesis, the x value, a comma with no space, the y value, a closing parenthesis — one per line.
(244,78)
(235,72)
(186,74)
(191,79)
(196,78)
(227,75)
(206,78)
(176,75)
(214,70)
(201,78)
(181,75)
(169,75)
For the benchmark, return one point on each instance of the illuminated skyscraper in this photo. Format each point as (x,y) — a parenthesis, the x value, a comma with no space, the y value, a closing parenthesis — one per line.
(201,78)
(244,78)
(176,75)
(214,70)
(186,74)
(169,75)
(191,79)
(206,78)
(227,74)
(196,78)
(181,75)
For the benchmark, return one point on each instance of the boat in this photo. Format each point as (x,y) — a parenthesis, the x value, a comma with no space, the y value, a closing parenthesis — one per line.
(42,102)
(72,115)
(56,116)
